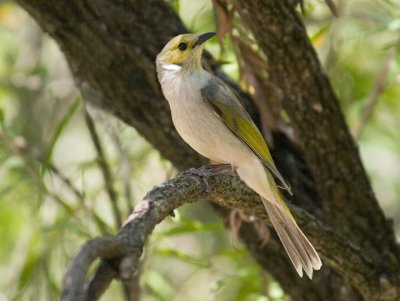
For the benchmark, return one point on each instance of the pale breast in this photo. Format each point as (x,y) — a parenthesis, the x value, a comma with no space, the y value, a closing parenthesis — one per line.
(198,124)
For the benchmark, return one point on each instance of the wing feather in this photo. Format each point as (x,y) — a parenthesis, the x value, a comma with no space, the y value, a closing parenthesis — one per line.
(228,107)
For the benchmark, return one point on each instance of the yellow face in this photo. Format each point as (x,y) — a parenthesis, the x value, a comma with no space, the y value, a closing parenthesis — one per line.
(183,47)
(178,49)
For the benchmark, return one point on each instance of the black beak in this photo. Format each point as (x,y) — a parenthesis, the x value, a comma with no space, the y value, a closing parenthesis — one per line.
(204,37)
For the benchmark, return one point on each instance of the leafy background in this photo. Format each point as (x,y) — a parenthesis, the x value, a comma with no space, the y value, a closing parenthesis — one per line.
(52,192)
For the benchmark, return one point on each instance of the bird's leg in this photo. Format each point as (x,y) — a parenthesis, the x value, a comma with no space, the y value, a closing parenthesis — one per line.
(210,170)
(221,168)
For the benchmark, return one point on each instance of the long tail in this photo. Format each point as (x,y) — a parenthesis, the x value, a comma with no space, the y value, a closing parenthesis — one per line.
(300,250)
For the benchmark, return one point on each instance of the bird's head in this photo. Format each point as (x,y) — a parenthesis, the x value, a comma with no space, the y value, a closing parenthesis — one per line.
(184,51)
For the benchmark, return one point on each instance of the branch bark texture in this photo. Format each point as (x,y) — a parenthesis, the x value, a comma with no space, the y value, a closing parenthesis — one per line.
(196,185)
(111,47)
(327,144)
(313,108)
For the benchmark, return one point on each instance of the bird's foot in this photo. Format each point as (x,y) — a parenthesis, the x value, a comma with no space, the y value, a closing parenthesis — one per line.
(213,169)
(221,168)
(210,170)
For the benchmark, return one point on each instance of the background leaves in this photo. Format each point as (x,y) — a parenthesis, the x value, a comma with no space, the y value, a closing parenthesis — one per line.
(52,193)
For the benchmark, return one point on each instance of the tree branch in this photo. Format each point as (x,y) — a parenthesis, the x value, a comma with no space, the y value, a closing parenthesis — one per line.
(105,169)
(376,93)
(349,203)
(111,48)
(123,251)
(312,106)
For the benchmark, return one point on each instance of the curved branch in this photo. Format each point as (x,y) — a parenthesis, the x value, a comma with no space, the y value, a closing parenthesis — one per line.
(111,47)
(74,280)
(204,184)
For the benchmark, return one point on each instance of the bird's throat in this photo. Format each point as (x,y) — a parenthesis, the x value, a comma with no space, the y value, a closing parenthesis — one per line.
(171,67)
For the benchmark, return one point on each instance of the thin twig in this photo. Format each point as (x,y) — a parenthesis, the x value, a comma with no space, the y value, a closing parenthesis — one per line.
(332,7)
(26,155)
(20,152)
(68,183)
(101,225)
(105,169)
(16,150)
(373,99)
(125,167)
(131,287)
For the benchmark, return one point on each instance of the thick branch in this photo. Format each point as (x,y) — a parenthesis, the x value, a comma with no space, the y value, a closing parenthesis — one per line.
(111,47)
(315,114)
(202,185)
(103,247)
(349,203)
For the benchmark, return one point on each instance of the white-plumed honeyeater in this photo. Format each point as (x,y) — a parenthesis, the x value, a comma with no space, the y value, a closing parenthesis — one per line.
(210,118)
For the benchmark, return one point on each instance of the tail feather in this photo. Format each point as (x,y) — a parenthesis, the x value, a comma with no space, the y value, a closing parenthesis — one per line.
(300,250)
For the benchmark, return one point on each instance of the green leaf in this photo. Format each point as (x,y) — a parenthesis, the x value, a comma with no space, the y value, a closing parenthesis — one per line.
(1,116)
(31,262)
(58,131)
(158,285)
(191,226)
(184,257)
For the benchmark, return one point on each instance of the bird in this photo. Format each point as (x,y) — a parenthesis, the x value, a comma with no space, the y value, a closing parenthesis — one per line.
(209,117)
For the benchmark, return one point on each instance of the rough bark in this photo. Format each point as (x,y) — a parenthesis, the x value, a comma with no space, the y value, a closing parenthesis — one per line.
(204,184)
(327,144)
(324,137)
(111,48)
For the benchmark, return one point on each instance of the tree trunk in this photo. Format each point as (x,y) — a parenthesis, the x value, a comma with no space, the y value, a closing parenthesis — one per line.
(111,48)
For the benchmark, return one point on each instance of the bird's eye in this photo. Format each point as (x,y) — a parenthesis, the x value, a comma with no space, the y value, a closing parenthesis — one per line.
(182,46)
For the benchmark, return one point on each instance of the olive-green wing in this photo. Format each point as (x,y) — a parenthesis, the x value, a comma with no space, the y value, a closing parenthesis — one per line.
(227,106)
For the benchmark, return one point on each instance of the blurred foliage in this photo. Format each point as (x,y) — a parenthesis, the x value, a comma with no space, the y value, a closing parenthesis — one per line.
(52,194)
